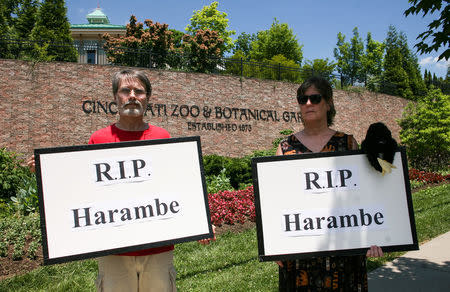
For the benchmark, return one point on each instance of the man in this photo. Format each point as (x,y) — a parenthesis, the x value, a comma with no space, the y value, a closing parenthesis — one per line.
(149,269)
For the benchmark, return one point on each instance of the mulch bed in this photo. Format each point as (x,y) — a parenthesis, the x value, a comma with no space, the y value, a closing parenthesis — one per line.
(10,267)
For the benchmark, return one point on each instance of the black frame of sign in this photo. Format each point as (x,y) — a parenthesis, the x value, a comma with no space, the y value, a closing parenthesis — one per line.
(341,252)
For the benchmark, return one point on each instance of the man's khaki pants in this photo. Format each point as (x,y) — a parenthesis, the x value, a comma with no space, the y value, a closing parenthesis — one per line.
(137,273)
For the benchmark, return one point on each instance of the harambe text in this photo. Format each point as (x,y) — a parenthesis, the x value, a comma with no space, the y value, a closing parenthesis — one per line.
(101,216)
(313,222)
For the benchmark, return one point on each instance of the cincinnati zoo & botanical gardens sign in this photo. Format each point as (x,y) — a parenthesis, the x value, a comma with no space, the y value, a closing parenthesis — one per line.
(205,117)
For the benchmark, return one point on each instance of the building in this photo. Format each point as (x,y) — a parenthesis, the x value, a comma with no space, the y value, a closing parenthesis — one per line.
(88,37)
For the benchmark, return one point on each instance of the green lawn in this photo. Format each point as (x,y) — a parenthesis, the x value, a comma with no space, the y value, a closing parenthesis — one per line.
(229,264)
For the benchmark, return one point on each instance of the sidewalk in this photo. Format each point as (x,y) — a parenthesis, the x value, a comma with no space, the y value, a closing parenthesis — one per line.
(426,269)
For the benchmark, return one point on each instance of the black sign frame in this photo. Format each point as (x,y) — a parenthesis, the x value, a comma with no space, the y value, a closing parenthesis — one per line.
(118,145)
(341,252)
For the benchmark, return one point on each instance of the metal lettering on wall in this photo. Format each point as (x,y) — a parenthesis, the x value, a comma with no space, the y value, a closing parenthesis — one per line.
(227,114)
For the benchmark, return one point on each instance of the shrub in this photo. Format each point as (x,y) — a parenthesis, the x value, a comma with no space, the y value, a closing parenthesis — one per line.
(26,199)
(3,249)
(213,164)
(32,249)
(16,231)
(13,176)
(217,183)
(425,131)
(239,170)
(261,153)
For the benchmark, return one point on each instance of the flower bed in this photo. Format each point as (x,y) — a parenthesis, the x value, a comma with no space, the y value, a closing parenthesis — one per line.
(229,207)
(427,177)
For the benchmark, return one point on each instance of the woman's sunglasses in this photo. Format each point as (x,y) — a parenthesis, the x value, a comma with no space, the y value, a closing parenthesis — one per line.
(314,98)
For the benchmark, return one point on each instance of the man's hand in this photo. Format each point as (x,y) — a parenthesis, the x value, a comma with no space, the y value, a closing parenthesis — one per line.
(208,240)
(31,164)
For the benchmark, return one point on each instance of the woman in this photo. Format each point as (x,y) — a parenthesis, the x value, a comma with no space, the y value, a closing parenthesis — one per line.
(340,273)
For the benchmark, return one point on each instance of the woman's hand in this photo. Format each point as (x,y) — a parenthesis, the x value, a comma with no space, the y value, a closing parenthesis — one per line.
(374,252)
(208,240)
(280,263)
(32,164)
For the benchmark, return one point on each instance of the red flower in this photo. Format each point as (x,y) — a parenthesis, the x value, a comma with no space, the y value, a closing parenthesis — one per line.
(230,207)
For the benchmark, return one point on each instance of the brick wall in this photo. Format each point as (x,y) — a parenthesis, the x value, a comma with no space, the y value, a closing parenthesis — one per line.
(60,104)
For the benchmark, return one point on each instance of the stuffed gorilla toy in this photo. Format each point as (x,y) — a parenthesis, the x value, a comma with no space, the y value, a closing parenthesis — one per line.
(380,147)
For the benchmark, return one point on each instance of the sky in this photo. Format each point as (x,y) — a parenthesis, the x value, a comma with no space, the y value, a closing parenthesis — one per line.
(315,23)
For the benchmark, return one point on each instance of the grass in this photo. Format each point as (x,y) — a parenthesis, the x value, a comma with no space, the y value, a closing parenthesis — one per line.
(74,276)
(229,264)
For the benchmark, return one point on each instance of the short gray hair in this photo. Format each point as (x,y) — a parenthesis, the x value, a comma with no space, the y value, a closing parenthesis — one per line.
(131,74)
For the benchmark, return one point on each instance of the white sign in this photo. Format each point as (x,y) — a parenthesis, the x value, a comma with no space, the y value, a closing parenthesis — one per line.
(331,204)
(105,199)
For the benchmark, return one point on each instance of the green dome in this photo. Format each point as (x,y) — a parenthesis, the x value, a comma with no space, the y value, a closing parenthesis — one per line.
(97,17)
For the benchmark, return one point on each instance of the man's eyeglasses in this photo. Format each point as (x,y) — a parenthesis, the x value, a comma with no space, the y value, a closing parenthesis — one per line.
(314,98)
(127,91)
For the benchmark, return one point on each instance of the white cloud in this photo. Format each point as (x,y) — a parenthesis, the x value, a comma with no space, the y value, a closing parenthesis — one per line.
(442,63)
(426,61)
(431,64)
(434,61)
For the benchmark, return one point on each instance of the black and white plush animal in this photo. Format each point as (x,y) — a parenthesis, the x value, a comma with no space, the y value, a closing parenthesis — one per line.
(380,147)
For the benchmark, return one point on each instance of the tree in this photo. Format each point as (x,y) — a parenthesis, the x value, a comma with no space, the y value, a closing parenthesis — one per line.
(411,66)
(281,68)
(149,47)
(446,83)
(342,54)
(204,49)
(438,30)
(278,40)
(17,19)
(3,32)
(244,44)
(23,23)
(52,26)
(209,18)
(401,74)
(177,37)
(318,67)
(26,18)
(394,78)
(372,62)
(427,78)
(432,81)
(7,11)
(235,64)
(349,56)
(356,53)
(425,131)
(277,68)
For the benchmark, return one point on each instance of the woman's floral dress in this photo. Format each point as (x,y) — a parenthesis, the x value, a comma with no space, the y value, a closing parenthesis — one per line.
(339,273)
